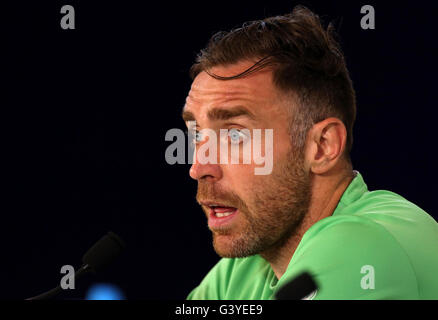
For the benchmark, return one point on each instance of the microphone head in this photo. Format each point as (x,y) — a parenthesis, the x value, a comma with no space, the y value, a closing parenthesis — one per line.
(298,288)
(103,252)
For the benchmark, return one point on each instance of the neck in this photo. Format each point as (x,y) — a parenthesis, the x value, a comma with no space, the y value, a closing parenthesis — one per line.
(326,193)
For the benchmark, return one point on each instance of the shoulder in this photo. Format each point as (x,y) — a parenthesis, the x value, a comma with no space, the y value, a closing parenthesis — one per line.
(348,237)
(354,257)
(385,206)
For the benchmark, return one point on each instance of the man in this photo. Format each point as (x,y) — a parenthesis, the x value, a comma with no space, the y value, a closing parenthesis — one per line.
(313,212)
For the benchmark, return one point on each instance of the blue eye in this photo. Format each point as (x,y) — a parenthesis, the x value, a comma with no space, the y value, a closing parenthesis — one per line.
(198,136)
(195,136)
(236,136)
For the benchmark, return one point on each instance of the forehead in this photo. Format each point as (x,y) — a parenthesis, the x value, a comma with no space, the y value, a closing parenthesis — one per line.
(256,88)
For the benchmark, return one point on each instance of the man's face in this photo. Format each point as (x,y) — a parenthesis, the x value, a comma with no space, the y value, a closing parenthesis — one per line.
(247,213)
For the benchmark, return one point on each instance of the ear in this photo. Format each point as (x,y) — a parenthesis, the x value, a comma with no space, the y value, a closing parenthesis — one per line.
(326,142)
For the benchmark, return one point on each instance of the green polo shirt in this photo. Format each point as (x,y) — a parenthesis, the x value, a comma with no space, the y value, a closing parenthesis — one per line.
(376,245)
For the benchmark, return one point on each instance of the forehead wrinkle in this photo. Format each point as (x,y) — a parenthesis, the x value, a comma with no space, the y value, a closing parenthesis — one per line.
(210,86)
(221,99)
(224,92)
(257,106)
(209,90)
(207,93)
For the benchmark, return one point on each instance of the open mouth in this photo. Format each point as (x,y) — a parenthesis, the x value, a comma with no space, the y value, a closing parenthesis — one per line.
(220,215)
(220,211)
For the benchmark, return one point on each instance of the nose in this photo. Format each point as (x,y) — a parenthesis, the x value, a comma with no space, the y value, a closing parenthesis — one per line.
(210,171)
(205,171)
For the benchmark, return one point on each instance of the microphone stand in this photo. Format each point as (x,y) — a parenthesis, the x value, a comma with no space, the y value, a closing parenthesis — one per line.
(53,292)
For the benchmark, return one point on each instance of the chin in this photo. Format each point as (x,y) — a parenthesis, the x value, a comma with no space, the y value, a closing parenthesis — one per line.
(228,246)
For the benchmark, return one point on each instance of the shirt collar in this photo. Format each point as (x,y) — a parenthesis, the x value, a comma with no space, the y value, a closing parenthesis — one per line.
(354,191)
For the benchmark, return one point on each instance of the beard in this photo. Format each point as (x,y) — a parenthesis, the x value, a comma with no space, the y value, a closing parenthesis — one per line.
(271,213)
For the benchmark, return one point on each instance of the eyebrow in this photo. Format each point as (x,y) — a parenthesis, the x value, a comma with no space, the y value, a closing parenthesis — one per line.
(187,115)
(221,113)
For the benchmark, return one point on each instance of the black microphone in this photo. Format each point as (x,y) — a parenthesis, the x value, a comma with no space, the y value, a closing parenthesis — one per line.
(298,288)
(100,255)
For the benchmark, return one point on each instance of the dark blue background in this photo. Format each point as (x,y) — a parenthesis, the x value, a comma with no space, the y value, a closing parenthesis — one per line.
(84,113)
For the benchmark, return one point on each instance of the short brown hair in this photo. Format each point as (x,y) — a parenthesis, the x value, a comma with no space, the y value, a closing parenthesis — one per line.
(306,60)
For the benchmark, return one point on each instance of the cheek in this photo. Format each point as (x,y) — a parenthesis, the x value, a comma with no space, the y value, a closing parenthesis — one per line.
(274,149)
(239,178)
(236,174)
(282,144)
